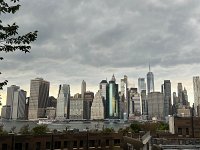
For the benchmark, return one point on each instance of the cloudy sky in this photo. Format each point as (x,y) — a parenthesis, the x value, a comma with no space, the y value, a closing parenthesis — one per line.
(92,39)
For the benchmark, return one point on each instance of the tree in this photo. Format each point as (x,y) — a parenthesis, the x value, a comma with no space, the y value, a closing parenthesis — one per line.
(135,126)
(10,40)
(40,130)
(25,129)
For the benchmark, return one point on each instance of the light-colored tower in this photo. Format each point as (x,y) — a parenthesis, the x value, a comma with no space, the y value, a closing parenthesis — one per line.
(103,90)
(63,102)
(10,98)
(39,94)
(141,84)
(124,107)
(135,105)
(155,105)
(83,88)
(19,104)
(196,88)
(97,109)
(150,81)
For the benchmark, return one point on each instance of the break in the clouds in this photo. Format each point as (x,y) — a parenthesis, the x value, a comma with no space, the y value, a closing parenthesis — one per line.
(92,39)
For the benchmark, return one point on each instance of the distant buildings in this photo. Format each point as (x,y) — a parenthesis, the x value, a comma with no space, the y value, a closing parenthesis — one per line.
(83,88)
(39,94)
(76,108)
(167,98)
(141,84)
(87,103)
(150,81)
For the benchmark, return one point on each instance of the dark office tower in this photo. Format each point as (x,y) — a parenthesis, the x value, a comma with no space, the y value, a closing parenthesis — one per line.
(180,90)
(141,85)
(124,105)
(150,81)
(185,97)
(135,106)
(52,102)
(87,103)
(113,101)
(167,98)
(103,89)
(144,104)
(27,107)
(39,95)
(83,88)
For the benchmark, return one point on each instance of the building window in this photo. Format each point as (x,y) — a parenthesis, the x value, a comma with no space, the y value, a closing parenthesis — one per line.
(107,142)
(65,144)
(4,146)
(57,145)
(18,146)
(48,145)
(179,131)
(91,143)
(81,143)
(187,131)
(75,144)
(117,142)
(26,146)
(37,146)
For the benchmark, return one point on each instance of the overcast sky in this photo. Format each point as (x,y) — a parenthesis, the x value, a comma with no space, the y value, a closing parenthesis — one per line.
(92,39)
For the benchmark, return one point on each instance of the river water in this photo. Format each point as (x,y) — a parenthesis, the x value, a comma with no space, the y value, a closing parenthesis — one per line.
(7,125)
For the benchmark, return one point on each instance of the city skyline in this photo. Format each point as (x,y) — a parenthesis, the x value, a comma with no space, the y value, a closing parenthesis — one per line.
(90,41)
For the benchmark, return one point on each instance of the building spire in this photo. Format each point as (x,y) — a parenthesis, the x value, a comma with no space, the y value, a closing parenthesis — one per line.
(149,67)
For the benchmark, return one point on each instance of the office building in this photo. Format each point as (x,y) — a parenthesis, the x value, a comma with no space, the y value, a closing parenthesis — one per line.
(39,94)
(76,108)
(63,102)
(196,88)
(52,102)
(97,108)
(150,81)
(51,112)
(167,98)
(155,105)
(103,90)
(19,103)
(5,111)
(143,98)
(135,105)
(83,88)
(113,101)
(141,84)
(10,97)
(87,103)
(124,101)
(180,90)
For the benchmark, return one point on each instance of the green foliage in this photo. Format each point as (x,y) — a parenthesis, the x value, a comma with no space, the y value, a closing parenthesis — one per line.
(12,130)
(40,130)
(124,131)
(163,126)
(2,131)
(108,130)
(25,129)
(135,127)
(10,40)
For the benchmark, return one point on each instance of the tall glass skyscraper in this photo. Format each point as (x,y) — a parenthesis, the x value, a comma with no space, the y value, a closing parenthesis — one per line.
(150,81)
(113,101)
(141,85)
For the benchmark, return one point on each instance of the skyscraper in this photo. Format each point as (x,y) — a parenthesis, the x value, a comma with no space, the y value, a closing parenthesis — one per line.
(167,97)
(196,88)
(39,94)
(19,103)
(135,105)
(63,102)
(10,97)
(124,103)
(83,88)
(87,103)
(103,90)
(150,81)
(180,90)
(113,101)
(141,84)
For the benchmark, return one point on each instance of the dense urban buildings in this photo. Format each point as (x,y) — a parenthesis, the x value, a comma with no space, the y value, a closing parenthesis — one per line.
(196,88)
(150,81)
(97,108)
(39,95)
(141,84)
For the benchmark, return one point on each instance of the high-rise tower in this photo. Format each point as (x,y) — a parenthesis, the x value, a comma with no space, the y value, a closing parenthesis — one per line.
(63,102)
(167,97)
(196,88)
(141,84)
(150,81)
(83,88)
(39,94)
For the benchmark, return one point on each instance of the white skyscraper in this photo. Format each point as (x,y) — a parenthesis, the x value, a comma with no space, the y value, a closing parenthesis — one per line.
(97,108)
(83,88)
(196,88)
(10,97)
(19,104)
(39,95)
(63,102)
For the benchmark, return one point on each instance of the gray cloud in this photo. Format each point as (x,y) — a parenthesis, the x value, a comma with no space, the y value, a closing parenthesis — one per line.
(92,39)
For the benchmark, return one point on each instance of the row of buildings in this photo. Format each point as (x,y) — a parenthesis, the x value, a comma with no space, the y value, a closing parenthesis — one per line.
(110,102)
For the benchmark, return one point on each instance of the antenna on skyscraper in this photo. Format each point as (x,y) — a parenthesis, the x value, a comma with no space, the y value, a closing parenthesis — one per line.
(149,66)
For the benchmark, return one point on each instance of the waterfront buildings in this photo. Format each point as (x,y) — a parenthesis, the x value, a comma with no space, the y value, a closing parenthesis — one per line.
(155,105)
(63,102)
(143,98)
(103,90)
(97,108)
(5,111)
(150,81)
(51,113)
(124,103)
(19,103)
(196,88)
(39,94)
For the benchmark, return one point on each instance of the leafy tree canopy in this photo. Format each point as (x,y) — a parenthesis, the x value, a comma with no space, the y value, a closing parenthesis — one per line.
(10,40)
